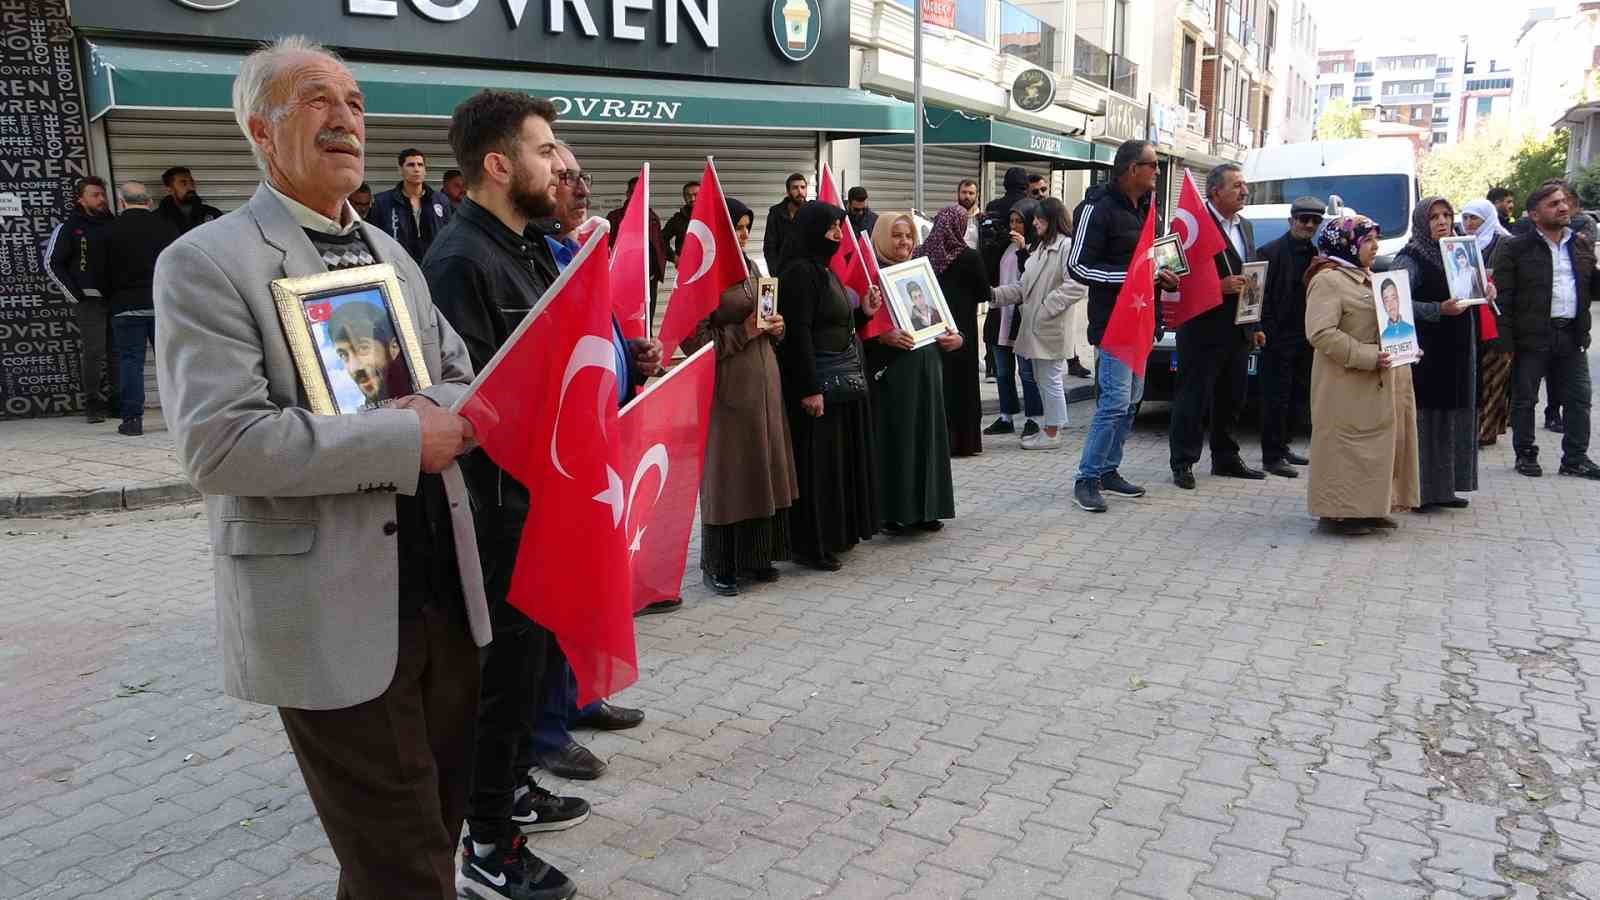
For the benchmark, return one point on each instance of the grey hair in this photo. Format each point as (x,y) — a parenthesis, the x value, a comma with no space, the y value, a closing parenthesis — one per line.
(1215,177)
(133,193)
(253,89)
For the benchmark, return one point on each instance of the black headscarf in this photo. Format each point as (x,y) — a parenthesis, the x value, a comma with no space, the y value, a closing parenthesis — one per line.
(737,211)
(1027,209)
(809,239)
(1016,182)
(1422,244)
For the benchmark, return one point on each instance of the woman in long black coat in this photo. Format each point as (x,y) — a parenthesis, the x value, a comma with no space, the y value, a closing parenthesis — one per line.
(965,284)
(832,430)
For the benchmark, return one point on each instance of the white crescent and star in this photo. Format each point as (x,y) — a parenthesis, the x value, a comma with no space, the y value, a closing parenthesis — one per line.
(1191,229)
(708,249)
(593,352)
(654,458)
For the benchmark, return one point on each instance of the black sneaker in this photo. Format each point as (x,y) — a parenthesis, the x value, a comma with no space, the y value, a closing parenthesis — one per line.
(1030,429)
(510,873)
(1113,483)
(1000,426)
(1183,477)
(1086,493)
(1583,468)
(131,427)
(535,809)
(1555,423)
(1529,466)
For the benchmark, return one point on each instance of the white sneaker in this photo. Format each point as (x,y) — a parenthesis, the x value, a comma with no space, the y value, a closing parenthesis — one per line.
(1041,441)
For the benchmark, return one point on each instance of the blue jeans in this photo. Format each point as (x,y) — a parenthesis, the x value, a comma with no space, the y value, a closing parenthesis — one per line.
(559,709)
(1117,396)
(131,334)
(1032,403)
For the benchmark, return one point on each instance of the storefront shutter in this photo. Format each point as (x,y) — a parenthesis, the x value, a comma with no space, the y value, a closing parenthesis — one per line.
(886,173)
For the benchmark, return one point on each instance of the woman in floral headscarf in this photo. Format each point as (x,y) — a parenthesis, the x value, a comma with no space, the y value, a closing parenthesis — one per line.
(1363,413)
(965,284)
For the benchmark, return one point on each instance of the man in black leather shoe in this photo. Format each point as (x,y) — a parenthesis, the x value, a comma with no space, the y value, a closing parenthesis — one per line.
(1212,350)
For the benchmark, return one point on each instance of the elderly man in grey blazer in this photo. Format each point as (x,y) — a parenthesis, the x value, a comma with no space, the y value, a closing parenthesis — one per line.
(348,588)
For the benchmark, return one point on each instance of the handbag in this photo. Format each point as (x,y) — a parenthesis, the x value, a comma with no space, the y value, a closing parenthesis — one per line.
(839,375)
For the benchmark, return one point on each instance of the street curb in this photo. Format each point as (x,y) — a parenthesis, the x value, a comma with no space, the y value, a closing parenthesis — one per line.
(15,506)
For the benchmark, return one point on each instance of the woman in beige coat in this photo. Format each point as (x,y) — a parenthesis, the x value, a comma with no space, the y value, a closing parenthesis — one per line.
(749,482)
(1363,413)
(1045,294)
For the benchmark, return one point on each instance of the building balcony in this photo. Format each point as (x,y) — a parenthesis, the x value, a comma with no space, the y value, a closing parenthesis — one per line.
(1198,15)
(1361,98)
(1360,75)
(1108,70)
(1028,37)
(1441,95)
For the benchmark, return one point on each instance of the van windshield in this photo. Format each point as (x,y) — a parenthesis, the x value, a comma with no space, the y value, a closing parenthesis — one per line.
(1385,199)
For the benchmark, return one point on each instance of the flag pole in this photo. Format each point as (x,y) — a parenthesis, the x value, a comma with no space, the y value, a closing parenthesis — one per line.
(916,101)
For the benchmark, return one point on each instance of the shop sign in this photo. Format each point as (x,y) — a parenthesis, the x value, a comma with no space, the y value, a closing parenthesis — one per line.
(616,109)
(691,38)
(1124,120)
(43,152)
(939,12)
(1034,90)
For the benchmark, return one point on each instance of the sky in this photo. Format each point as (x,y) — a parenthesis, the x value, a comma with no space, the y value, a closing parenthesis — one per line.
(1490,24)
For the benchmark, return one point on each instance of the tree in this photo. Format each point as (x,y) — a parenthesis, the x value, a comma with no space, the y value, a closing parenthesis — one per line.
(1338,121)
(1587,185)
(1465,171)
(1537,160)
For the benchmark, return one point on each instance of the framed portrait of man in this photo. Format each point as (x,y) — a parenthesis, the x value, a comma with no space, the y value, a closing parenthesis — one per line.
(1463,269)
(1254,295)
(766,301)
(916,303)
(352,338)
(1169,255)
(1397,323)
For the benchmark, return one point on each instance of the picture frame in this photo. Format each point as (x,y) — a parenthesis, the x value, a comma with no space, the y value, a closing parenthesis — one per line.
(1397,322)
(1254,296)
(916,303)
(352,338)
(1169,255)
(766,301)
(1464,270)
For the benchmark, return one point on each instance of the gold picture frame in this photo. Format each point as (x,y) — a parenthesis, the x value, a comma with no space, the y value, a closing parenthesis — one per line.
(766,302)
(352,338)
(916,302)
(1253,299)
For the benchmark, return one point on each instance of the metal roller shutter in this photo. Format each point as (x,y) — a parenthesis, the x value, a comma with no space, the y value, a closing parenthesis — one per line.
(886,174)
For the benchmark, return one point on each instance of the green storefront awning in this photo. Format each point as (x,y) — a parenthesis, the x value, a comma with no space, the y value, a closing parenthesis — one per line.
(1006,140)
(126,76)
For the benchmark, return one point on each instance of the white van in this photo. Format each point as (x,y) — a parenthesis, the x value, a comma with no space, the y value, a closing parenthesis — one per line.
(1377,177)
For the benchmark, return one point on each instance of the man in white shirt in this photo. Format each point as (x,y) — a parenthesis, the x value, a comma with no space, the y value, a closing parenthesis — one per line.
(1546,280)
(967,197)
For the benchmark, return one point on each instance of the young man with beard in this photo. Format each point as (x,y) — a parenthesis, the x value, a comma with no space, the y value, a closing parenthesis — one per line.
(780,221)
(677,227)
(182,206)
(967,199)
(67,257)
(486,270)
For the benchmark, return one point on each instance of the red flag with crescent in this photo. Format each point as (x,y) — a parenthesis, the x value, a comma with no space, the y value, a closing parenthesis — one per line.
(545,410)
(630,262)
(1132,328)
(847,262)
(880,323)
(663,438)
(1201,290)
(710,263)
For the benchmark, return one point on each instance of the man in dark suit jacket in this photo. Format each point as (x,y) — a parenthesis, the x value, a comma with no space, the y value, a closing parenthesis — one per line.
(1212,350)
(122,260)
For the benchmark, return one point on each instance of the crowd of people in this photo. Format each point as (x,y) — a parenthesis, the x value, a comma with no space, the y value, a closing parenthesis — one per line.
(418,699)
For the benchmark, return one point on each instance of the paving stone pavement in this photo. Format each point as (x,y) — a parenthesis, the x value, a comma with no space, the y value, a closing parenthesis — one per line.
(1195,695)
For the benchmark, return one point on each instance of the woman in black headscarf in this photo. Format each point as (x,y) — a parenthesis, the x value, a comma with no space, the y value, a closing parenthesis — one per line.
(825,394)
(1446,378)
(749,481)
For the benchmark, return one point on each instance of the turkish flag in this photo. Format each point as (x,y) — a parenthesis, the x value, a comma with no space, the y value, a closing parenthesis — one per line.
(1132,328)
(1201,289)
(880,323)
(847,263)
(319,312)
(630,263)
(545,410)
(710,263)
(663,447)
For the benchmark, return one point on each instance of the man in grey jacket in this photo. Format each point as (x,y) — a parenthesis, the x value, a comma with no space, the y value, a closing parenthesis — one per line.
(335,540)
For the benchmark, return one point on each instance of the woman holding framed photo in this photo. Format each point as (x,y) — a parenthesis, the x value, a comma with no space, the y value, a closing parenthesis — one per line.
(1363,415)
(1044,294)
(911,436)
(749,482)
(965,285)
(825,395)
(1446,377)
(1479,219)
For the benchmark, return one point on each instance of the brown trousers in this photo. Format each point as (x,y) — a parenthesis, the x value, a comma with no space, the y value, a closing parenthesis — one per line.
(389,777)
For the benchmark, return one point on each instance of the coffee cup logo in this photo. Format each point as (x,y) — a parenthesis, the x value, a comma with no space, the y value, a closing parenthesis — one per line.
(796,28)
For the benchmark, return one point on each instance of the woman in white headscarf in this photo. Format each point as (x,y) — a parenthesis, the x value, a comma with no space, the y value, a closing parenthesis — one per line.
(1480,219)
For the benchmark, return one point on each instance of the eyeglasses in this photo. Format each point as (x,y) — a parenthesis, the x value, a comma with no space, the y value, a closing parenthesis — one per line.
(1039,192)
(1308,219)
(570,177)
(1148,163)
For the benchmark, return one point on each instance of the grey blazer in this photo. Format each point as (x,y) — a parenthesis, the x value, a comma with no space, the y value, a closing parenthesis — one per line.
(301,506)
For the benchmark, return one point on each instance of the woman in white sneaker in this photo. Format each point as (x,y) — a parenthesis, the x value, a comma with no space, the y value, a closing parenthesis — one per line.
(1045,293)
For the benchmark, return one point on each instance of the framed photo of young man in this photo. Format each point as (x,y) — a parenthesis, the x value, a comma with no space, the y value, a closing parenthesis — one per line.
(1463,269)
(766,301)
(1397,322)
(1254,295)
(916,303)
(352,337)
(1169,255)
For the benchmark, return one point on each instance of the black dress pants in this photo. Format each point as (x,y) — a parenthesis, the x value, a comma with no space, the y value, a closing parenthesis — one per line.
(1285,389)
(1566,366)
(1211,389)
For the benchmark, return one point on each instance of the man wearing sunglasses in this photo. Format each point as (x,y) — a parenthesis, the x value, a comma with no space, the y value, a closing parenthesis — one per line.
(1286,358)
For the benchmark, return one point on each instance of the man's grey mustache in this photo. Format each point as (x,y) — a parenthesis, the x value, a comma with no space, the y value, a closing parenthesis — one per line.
(330,138)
